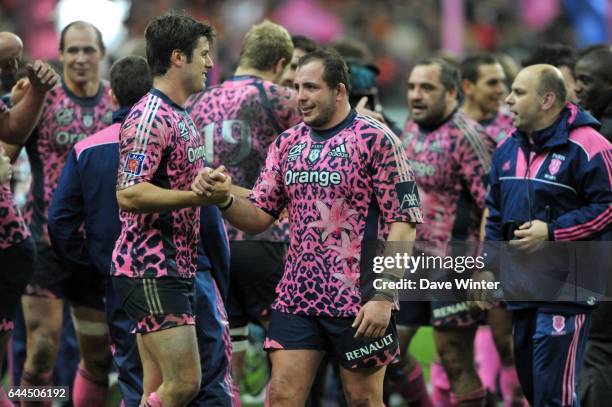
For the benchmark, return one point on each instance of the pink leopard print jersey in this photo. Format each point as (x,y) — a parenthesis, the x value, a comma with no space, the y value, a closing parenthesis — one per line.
(451,164)
(337,186)
(500,126)
(239,119)
(12,227)
(159,144)
(65,120)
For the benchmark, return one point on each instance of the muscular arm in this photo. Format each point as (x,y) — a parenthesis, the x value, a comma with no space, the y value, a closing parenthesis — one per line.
(17,124)
(148,198)
(244,215)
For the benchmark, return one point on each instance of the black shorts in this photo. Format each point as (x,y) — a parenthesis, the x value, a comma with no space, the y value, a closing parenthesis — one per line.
(52,279)
(256,268)
(17,268)
(334,335)
(440,314)
(155,304)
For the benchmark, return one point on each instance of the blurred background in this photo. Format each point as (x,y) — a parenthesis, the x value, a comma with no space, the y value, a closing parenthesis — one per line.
(397,32)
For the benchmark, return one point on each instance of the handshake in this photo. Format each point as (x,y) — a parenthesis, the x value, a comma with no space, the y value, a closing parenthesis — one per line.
(213,186)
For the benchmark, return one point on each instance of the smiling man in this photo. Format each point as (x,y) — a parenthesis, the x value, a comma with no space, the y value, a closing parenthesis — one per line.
(154,260)
(322,305)
(73,109)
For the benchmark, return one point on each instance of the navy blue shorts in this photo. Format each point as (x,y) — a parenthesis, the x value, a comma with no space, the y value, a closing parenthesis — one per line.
(256,268)
(439,314)
(17,267)
(549,349)
(213,342)
(51,279)
(333,335)
(155,304)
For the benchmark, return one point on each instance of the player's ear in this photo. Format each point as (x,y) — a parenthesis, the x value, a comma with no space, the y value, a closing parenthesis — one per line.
(279,66)
(113,98)
(177,57)
(467,87)
(342,91)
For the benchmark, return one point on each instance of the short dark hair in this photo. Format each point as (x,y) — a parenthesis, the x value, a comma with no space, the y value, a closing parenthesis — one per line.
(304,43)
(551,81)
(81,24)
(600,59)
(470,65)
(130,79)
(169,32)
(335,70)
(449,74)
(552,54)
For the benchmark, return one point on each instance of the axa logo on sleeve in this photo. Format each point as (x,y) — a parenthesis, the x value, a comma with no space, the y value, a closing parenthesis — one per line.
(407,194)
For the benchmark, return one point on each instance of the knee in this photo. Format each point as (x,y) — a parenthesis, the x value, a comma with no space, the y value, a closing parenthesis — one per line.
(358,397)
(454,364)
(98,363)
(283,390)
(42,350)
(185,388)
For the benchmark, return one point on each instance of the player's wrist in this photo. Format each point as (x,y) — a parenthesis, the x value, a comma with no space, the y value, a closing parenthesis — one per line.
(225,205)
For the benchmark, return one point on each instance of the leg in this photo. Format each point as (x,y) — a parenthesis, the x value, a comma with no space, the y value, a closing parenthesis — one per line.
(43,318)
(558,350)
(214,344)
(125,350)
(175,353)
(523,324)
(407,376)
(91,382)
(293,372)
(363,387)
(456,349)
(152,376)
(500,321)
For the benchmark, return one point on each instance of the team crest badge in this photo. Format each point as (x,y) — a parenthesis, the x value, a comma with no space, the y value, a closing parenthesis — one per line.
(558,323)
(506,166)
(315,153)
(88,120)
(554,166)
(64,117)
(133,163)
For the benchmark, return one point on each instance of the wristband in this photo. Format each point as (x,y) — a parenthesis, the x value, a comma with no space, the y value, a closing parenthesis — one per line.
(226,204)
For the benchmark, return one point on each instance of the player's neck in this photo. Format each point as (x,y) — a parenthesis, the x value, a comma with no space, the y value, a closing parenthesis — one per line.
(265,75)
(474,112)
(83,90)
(169,88)
(339,115)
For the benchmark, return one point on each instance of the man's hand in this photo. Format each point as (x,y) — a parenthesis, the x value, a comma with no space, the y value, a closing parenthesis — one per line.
(41,76)
(482,297)
(19,90)
(362,109)
(373,318)
(6,170)
(530,236)
(214,185)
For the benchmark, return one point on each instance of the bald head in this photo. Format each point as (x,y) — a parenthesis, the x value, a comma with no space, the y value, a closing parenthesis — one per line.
(549,79)
(11,48)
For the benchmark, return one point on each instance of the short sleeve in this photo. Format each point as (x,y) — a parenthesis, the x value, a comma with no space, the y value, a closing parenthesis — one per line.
(394,183)
(141,141)
(269,190)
